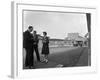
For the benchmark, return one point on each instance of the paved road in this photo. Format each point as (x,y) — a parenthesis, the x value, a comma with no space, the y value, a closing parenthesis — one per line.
(68,57)
(85,58)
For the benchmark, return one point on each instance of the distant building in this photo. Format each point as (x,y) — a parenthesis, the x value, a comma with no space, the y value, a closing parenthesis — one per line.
(76,39)
(56,42)
(69,41)
(72,36)
(52,42)
(73,39)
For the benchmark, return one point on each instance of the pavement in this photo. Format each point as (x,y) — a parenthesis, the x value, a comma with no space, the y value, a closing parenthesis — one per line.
(85,58)
(65,57)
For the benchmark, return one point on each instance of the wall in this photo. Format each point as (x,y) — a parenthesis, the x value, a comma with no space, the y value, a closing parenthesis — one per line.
(5,40)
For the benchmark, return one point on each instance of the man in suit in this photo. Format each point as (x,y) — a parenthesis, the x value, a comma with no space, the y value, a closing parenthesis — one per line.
(28,45)
(35,44)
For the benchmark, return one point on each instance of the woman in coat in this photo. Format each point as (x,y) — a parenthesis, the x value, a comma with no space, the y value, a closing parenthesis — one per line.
(45,47)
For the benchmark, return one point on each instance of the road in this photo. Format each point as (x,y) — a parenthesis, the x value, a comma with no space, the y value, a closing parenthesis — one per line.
(66,56)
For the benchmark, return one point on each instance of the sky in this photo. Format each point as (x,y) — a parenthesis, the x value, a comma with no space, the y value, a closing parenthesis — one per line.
(56,24)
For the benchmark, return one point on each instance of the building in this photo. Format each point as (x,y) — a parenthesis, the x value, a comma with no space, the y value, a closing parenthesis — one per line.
(56,42)
(72,36)
(73,39)
(53,42)
(76,39)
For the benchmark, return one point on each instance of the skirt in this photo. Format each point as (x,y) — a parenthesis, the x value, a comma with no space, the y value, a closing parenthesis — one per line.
(45,49)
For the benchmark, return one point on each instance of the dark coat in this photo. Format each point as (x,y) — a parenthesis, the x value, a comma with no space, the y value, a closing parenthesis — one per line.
(27,39)
(45,47)
(36,40)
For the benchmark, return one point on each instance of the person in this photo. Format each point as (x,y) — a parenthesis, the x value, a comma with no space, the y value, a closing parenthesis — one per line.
(35,44)
(45,47)
(28,45)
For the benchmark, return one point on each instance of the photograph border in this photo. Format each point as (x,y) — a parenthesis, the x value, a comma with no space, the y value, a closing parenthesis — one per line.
(16,56)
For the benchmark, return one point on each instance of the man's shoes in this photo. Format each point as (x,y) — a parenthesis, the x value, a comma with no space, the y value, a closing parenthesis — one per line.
(40,61)
(31,67)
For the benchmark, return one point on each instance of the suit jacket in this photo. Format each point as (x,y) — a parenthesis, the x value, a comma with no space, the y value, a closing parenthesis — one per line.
(36,40)
(27,39)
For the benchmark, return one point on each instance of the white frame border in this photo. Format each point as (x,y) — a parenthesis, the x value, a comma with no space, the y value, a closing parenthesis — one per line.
(17,70)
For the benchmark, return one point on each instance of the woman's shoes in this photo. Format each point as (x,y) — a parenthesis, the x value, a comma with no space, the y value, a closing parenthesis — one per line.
(44,61)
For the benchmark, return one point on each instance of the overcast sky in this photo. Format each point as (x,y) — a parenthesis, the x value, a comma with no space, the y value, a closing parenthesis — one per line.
(56,24)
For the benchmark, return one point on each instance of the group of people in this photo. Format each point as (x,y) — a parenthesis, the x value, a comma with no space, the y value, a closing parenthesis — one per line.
(30,43)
